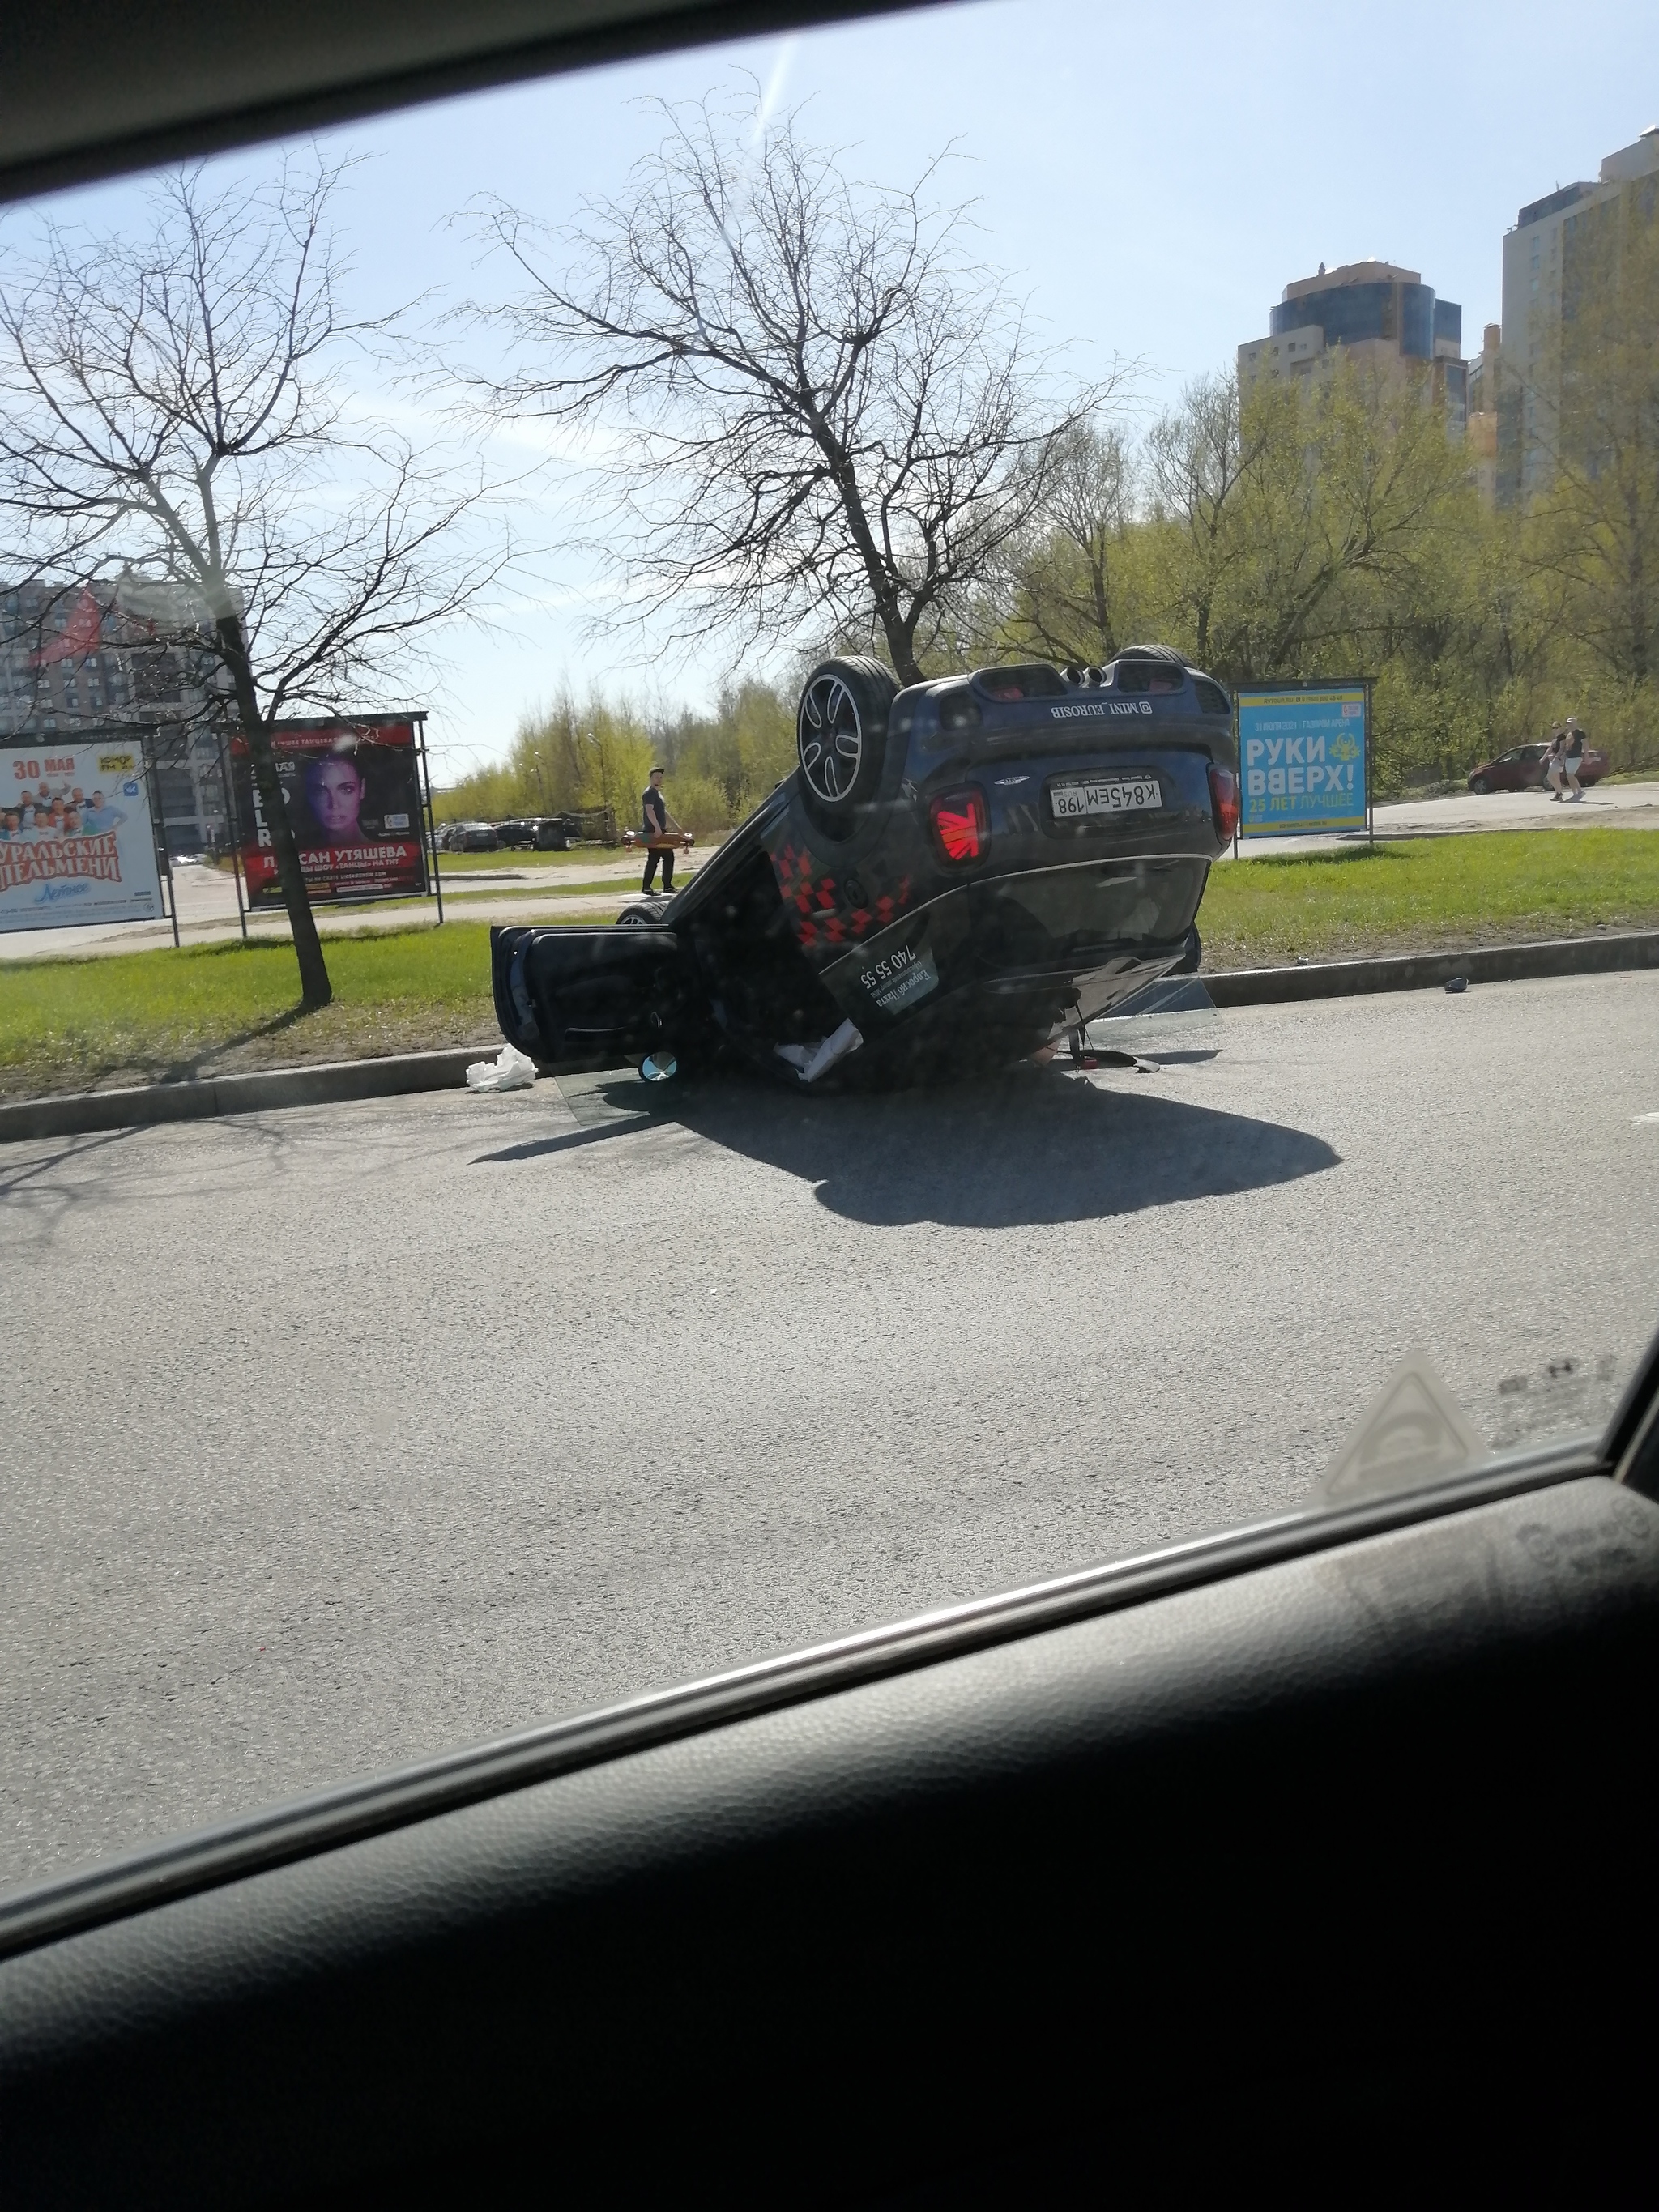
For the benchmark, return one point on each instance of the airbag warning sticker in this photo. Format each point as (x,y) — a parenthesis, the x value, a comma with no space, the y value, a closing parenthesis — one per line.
(901,979)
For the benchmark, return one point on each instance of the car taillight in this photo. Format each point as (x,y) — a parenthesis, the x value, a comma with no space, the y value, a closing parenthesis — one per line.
(961,823)
(1224,797)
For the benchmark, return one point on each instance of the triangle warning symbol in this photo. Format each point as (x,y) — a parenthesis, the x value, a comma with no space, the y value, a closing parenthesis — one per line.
(1413,1432)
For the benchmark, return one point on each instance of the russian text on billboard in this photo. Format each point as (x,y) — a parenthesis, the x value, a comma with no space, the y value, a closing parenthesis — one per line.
(1301,756)
(75,841)
(353,793)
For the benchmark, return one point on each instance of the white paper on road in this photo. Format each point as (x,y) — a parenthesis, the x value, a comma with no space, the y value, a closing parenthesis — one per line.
(510,1069)
(812,1060)
(75,841)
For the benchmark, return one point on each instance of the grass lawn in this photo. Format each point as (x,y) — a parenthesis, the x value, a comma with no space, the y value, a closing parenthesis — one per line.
(1424,893)
(72,1023)
(473,864)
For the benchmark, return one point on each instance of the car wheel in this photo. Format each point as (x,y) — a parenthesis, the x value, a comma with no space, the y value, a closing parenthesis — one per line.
(1480,783)
(840,734)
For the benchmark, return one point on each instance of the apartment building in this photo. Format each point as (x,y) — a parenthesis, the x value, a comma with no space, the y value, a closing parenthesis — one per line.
(94,658)
(1549,260)
(1368,313)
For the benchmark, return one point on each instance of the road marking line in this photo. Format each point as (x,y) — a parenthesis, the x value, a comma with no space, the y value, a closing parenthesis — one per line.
(1644,1117)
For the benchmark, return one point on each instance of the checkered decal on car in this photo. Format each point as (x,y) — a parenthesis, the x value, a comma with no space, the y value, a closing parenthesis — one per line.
(816,911)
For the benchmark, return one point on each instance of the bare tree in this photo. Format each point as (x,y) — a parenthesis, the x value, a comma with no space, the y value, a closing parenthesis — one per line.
(822,412)
(176,411)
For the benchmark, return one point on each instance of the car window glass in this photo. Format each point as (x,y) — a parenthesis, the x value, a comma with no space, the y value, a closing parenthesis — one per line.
(925,672)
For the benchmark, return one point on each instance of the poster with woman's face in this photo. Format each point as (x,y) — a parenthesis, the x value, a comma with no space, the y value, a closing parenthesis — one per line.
(353,794)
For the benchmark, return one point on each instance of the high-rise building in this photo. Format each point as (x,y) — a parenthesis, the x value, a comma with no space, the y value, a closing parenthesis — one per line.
(1482,423)
(92,658)
(1368,312)
(1547,258)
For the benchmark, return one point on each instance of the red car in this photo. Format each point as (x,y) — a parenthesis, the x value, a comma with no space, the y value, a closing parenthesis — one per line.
(1521,769)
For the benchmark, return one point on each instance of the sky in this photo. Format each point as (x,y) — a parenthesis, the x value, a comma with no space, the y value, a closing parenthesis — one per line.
(1150,178)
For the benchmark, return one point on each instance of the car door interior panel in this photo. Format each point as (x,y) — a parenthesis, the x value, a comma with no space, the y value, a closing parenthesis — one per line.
(1332,1829)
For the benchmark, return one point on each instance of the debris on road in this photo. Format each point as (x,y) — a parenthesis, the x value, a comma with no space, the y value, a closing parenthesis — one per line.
(510,1069)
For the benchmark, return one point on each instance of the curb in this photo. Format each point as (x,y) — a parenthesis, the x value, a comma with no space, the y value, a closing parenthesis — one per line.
(336,1081)
(325,1084)
(1425,971)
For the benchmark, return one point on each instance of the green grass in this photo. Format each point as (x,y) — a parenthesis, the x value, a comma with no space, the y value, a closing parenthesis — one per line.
(472,864)
(72,1024)
(1421,893)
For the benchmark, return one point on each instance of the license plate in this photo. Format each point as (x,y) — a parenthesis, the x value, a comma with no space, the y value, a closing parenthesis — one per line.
(1105,795)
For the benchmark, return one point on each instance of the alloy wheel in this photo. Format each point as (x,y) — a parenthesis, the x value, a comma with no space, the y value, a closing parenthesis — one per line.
(831,739)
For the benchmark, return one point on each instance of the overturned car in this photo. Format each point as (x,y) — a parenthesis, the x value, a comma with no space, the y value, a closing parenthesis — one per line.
(967,869)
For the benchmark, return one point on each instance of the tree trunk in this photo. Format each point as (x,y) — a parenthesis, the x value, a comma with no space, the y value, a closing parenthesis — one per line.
(315,989)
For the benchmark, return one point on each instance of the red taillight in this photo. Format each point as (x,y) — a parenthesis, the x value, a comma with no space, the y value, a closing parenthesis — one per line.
(961,823)
(1224,797)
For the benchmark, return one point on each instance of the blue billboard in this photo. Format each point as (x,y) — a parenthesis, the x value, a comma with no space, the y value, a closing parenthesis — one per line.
(1303,758)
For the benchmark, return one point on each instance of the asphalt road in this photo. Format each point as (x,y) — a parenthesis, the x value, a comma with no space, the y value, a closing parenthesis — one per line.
(339,1437)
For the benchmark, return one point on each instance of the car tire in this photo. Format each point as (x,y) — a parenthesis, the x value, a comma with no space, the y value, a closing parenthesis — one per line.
(1478,783)
(841,736)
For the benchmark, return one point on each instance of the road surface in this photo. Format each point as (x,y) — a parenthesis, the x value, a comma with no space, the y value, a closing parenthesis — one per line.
(338,1437)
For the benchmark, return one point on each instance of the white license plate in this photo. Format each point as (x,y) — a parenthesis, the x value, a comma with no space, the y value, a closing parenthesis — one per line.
(1113,794)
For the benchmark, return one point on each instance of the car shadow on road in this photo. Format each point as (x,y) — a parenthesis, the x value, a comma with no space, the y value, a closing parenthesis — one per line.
(1028,1149)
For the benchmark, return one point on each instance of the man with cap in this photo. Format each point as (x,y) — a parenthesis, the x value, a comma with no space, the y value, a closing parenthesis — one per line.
(1572,755)
(659,826)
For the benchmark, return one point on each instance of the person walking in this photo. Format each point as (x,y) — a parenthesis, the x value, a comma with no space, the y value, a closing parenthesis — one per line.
(660,830)
(1572,755)
(1553,759)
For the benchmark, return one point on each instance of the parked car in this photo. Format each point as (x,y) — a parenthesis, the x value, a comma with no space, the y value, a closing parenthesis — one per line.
(555,833)
(539,833)
(1521,769)
(976,866)
(471,837)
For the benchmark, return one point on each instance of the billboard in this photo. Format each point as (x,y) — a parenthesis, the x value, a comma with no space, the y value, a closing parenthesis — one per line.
(353,793)
(76,841)
(1303,757)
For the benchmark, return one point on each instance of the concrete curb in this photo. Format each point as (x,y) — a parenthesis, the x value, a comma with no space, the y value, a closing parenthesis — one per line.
(1424,971)
(339,1080)
(323,1085)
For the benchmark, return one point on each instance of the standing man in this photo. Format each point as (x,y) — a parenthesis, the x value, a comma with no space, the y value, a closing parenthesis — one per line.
(1553,759)
(1572,755)
(658,823)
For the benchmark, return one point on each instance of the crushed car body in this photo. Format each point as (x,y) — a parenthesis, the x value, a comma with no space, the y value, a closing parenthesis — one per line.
(970,868)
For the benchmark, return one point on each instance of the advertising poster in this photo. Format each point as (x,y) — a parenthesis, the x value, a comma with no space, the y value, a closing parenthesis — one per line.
(1304,752)
(75,841)
(353,792)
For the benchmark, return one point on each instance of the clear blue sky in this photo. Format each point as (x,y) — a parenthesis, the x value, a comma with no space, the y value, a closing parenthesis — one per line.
(1152,176)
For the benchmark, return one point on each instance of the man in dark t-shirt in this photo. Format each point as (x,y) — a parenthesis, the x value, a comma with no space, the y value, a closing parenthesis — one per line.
(659,824)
